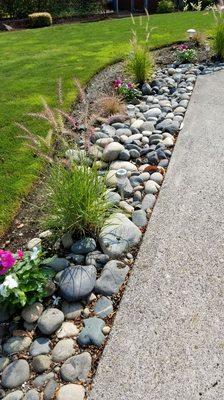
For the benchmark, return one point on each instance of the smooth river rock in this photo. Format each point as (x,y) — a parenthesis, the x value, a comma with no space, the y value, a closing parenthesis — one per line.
(77,282)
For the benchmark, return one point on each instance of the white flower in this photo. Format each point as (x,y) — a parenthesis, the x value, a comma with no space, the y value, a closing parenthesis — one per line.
(10,282)
(56,300)
(34,253)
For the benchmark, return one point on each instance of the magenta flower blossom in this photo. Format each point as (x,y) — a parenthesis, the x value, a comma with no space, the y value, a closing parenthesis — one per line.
(20,254)
(130,86)
(117,83)
(6,261)
(183,47)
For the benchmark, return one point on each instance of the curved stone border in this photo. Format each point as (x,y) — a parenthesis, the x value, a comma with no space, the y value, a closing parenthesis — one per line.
(61,353)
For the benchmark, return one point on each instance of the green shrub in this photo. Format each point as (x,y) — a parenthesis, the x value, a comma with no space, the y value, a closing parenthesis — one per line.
(39,20)
(165,6)
(76,199)
(218,43)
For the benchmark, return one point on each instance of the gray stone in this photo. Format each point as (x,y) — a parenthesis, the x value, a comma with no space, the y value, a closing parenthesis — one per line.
(77,368)
(111,179)
(63,350)
(139,218)
(57,264)
(97,259)
(113,197)
(148,201)
(4,314)
(128,208)
(76,258)
(15,374)
(31,395)
(77,282)
(40,346)
(168,142)
(112,151)
(41,363)
(124,155)
(109,130)
(32,312)
(153,112)
(157,177)
(118,235)
(71,392)
(92,334)
(67,240)
(134,153)
(84,246)
(50,320)
(146,89)
(41,380)
(103,307)
(16,395)
(72,310)
(50,390)
(147,126)
(16,344)
(4,361)
(112,277)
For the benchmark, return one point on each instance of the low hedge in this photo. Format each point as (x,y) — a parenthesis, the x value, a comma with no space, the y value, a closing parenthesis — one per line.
(39,20)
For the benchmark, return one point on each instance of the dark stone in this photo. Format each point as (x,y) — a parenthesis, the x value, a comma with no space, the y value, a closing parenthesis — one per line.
(77,282)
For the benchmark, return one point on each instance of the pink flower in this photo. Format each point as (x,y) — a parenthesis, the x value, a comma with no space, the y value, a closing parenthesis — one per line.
(183,47)
(117,83)
(6,261)
(20,254)
(130,85)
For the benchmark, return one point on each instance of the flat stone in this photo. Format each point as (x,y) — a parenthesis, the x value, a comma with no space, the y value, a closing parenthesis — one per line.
(16,344)
(111,179)
(41,380)
(77,368)
(71,392)
(92,334)
(32,312)
(41,363)
(68,329)
(126,207)
(63,350)
(97,259)
(77,282)
(111,278)
(112,151)
(31,395)
(103,307)
(139,218)
(35,242)
(15,374)
(40,345)
(84,246)
(50,320)
(16,395)
(71,310)
(118,235)
(168,142)
(50,389)
(58,264)
(123,165)
(148,201)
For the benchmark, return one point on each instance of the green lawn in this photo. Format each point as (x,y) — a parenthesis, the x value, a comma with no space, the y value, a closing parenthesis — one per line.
(32,60)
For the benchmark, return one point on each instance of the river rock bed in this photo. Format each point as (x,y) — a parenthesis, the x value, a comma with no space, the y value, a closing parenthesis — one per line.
(51,350)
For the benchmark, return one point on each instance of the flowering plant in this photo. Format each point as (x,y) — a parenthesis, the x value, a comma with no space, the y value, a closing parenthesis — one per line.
(126,90)
(185,54)
(22,280)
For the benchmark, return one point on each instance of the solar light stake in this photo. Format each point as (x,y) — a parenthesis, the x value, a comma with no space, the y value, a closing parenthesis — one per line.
(121,176)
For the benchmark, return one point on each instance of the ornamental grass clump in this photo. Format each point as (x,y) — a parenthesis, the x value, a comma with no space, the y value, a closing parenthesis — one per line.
(22,279)
(218,41)
(76,199)
(140,63)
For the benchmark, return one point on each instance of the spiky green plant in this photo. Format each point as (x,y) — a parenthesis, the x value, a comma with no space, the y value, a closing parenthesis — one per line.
(76,199)
(140,63)
(218,41)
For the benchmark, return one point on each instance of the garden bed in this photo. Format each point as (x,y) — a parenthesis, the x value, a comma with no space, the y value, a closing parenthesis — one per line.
(52,349)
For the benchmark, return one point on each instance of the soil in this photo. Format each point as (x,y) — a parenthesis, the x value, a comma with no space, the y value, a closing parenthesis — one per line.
(25,225)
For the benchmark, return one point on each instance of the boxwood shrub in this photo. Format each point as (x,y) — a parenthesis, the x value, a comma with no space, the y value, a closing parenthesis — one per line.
(38,20)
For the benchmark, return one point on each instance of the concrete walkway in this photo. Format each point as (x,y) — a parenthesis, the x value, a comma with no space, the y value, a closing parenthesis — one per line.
(168,338)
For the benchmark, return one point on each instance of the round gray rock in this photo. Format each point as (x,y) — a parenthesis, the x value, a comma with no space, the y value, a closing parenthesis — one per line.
(17,344)
(112,151)
(77,368)
(40,346)
(50,320)
(32,312)
(41,363)
(71,392)
(17,395)
(31,395)
(15,374)
(77,282)
(63,350)
(72,310)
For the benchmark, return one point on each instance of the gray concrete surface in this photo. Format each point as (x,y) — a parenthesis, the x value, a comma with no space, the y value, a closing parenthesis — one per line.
(167,342)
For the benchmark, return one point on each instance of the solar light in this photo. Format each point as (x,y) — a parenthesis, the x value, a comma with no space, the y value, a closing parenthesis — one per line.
(131,110)
(191,33)
(121,176)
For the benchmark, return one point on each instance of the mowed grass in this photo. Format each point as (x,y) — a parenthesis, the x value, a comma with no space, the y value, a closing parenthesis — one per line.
(30,63)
